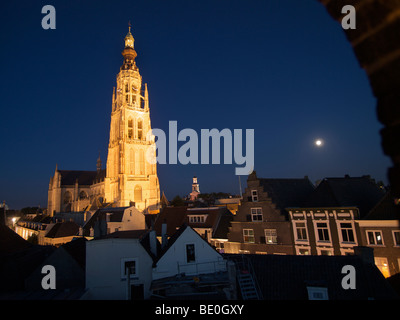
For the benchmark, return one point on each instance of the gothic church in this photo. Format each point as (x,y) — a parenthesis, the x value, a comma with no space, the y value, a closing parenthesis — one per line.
(129,179)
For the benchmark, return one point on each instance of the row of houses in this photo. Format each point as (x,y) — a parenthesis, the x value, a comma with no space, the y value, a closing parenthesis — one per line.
(136,265)
(275,216)
(291,216)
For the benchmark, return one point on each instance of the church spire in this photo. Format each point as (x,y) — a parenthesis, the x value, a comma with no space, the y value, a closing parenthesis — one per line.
(129,52)
(98,165)
(129,40)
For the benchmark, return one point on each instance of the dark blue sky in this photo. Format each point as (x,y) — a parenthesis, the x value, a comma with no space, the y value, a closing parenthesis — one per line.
(281,67)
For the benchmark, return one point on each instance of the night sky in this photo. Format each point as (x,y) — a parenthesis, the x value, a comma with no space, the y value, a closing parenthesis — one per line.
(281,67)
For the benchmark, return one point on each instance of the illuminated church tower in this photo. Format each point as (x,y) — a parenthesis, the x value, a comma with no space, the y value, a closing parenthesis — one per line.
(130,178)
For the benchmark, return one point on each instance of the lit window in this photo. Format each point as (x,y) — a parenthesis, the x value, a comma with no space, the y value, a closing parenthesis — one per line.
(303,252)
(248,235)
(256,214)
(270,236)
(375,238)
(383,266)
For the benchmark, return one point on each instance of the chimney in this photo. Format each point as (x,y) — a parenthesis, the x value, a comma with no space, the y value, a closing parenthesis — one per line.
(153,242)
(365,253)
(164,237)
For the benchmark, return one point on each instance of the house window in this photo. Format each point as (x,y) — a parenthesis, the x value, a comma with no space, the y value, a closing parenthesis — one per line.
(375,238)
(301,231)
(270,236)
(254,195)
(325,252)
(248,235)
(303,252)
(256,214)
(190,253)
(129,265)
(383,266)
(347,232)
(323,232)
(396,238)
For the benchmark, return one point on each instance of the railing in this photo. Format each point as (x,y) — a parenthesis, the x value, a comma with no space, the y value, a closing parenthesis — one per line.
(202,267)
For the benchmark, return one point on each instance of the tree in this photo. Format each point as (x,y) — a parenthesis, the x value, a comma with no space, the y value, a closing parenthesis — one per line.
(177,202)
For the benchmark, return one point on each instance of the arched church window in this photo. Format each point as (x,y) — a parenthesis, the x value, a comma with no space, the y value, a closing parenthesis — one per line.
(140,129)
(67,197)
(138,193)
(130,128)
(83,195)
(126,88)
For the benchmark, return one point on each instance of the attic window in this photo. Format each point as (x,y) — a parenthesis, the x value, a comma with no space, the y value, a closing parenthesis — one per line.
(190,253)
(317,293)
(254,195)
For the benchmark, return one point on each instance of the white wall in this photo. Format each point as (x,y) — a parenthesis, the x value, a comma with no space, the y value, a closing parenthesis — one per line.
(133,219)
(103,268)
(174,261)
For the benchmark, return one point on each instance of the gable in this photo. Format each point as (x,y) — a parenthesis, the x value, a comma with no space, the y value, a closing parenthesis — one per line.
(177,247)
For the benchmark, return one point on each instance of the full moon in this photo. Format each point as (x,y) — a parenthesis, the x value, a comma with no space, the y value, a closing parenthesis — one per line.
(318,143)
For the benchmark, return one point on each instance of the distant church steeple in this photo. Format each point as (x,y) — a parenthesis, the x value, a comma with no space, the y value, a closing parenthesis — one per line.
(195,189)
(98,165)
